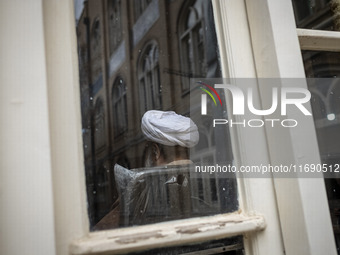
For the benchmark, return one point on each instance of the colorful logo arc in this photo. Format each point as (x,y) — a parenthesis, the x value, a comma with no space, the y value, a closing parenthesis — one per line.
(209,93)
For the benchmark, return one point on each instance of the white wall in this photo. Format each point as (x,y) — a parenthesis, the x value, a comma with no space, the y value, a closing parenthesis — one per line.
(26,205)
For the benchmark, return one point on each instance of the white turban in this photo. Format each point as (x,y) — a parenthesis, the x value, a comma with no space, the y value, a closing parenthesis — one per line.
(169,128)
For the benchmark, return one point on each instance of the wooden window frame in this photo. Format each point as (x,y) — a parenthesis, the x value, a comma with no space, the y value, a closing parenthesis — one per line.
(319,40)
(277,53)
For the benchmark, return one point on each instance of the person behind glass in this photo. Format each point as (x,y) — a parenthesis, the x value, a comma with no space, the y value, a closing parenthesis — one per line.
(168,136)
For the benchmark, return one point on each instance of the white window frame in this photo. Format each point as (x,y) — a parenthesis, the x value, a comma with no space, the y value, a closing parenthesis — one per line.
(73,230)
(319,40)
(252,35)
(275,56)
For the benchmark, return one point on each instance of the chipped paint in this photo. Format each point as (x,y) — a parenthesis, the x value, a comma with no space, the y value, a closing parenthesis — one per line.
(139,237)
(167,234)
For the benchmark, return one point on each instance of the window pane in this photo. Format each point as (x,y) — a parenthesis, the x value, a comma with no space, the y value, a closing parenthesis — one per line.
(114,24)
(317,14)
(136,57)
(326,111)
(119,107)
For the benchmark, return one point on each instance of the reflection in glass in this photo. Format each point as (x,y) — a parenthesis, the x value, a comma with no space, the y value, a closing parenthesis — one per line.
(326,112)
(96,50)
(140,6)
(119,107)
(317,14)
(191,43)
(148,76)
(137,56)
(100,137)
(115,24)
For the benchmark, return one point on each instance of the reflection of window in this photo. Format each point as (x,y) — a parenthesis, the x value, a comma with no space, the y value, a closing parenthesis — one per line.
(325,92)
(119,106)
(96,56)
(190,198)
(323,64)
(316,14)
(149,78)
(115,24)
(99,119)
(192,43)
(140,6)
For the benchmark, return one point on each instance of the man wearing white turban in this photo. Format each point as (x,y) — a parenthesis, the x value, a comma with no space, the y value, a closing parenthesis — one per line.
(169,136)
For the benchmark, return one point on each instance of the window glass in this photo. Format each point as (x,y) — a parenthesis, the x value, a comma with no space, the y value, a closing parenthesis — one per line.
(114,24)
(139,7)
(96,50)
(196,29)
(99,125)
(142,58)
(119,107)
(149,79)
(317,14)
(326,111)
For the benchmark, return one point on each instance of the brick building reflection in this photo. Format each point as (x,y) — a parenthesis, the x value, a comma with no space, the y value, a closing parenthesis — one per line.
(134,56)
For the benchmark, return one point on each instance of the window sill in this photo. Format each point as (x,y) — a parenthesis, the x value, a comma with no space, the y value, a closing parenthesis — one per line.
(167,234)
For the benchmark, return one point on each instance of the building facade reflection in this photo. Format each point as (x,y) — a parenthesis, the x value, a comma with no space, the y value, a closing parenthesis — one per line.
(136,56)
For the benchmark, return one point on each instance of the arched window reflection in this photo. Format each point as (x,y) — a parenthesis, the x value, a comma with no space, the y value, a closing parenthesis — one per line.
(192,42)
(119,106)
(115,24)
(316,14)
(150,87)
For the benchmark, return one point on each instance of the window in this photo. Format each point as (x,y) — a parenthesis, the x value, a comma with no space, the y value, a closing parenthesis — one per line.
(119,107)
(140,6)
(115,24)
(196,30)
(323,66)
(153,69)
(232,23)
(150,86)
(316,14)
(320,53)
(192,41)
